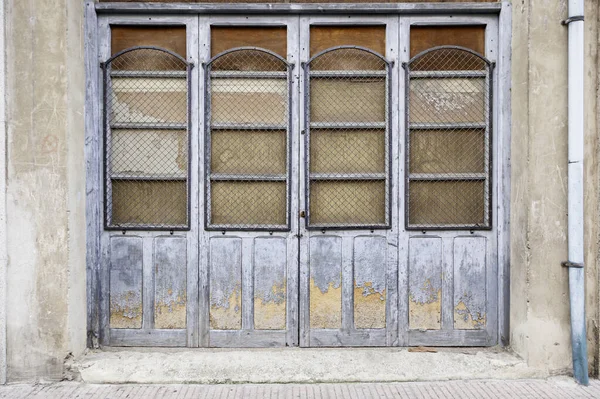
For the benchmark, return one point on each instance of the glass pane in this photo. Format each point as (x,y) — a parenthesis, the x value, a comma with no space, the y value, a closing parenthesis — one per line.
(347,202)
(347,100)
(347,151)
(446,203)
(249,101)
(249,152)
(248,203)
(156,203)
(148,100)
(447,100)
(149,153)
(447,151)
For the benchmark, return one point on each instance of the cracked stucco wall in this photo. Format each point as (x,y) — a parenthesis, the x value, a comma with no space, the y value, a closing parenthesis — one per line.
(45,192)
(540,329)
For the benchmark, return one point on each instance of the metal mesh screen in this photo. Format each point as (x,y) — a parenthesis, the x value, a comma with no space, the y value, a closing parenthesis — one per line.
(247,122)
(448,157)
(347,137)
(147,141)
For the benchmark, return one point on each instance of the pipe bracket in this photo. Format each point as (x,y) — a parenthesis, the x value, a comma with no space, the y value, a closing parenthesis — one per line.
(572,19)
(572,264)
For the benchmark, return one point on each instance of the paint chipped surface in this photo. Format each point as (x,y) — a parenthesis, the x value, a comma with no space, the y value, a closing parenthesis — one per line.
(464,319)
(269,311)
(425,283)
(326,306)
(126,282)
(325,282)
(126,310)
(170,283)
(270,287)
(427,314)
(370,265)
(225,283)
(469,283)
(369,307)
(226,314)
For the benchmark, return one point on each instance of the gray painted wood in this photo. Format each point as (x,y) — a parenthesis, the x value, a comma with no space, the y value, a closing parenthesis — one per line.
(126,281)
(449,338)
(425,282)
(170,283)
(470,294)
(149,281)
(325,263)
(156,338)
(247,284)
(270,283)
(225,286)
(370,282)
(247,339)
(347,261)
(328,338)
(339,8)
(448,283)
(92,165)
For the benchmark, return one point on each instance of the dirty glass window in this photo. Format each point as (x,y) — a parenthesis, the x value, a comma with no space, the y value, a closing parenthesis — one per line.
(247,129)
(449,117)
(348,132)
(146,129)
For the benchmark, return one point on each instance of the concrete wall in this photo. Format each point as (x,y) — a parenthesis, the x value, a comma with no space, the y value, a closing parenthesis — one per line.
(45,187)
(540,329)
(45,196)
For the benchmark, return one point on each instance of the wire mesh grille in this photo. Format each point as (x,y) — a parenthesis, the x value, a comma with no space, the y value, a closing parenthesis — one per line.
(247,160)
(348,166)
(147,141)
(448,139)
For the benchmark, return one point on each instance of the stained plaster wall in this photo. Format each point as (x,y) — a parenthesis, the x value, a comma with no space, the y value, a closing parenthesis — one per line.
(539,309)
(45,187)
(45,227)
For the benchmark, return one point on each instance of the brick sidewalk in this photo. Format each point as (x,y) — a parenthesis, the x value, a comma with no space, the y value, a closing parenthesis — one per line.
(559,388)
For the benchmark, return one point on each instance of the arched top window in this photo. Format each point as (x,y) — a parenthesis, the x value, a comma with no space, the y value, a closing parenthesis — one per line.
(247,140)
(448,136)
(146,143)
(347,111)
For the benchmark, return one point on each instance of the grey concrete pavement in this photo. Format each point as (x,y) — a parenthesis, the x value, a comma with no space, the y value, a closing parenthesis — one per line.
(559,388)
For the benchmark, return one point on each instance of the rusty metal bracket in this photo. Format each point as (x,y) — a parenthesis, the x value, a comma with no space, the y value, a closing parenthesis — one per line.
(567,21)
(572,264)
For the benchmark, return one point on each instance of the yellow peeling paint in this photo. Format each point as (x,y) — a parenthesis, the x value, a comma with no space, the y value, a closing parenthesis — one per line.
(171,315)
(464,320)
(426,316)
(270,315)
(121,314)
(230,317)
(325,308)
(369,307)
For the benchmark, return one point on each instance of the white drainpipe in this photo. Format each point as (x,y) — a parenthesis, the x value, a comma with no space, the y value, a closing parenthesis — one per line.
(575,185)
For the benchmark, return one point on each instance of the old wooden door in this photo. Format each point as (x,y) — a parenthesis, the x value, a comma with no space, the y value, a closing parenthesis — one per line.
(349,226)
(249,267)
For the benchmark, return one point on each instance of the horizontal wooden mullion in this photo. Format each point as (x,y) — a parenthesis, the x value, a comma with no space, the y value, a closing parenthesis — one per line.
(247,177)
(238,126)
(249,74)
(348,74)
(148,74)
(446,126)
(348,125)
(122,176)
(447,74)
(149,126)
(347,176)
(447,176)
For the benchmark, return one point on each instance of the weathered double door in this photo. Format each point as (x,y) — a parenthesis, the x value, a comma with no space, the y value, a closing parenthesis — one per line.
(298,228)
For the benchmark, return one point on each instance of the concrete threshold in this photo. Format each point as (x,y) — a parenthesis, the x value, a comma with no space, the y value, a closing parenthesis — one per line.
(296,365)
